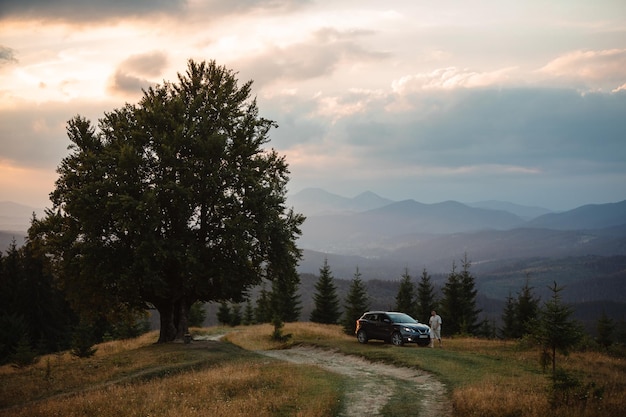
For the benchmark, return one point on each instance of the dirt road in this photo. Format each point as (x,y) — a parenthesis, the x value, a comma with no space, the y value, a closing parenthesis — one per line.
(373,383)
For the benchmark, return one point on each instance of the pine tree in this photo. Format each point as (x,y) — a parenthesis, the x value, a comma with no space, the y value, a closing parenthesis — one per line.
(405,299)
(509,319)
(263,310)
(356,303)
(450,304)
(458,305)
(235,315)
(223,313)
(326,308)
(555,330)
(527,310)
(284,298)
(469,322)
(426,301)
(248,314)
(605,327)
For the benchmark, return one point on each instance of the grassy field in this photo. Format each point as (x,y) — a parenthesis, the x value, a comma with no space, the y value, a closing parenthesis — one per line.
(208,378)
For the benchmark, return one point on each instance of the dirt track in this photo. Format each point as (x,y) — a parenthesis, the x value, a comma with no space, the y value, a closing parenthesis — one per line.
(373,383)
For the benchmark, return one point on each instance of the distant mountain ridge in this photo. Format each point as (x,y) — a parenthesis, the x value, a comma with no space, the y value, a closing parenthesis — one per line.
(409,233)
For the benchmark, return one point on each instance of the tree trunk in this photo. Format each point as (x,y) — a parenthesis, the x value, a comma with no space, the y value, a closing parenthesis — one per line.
(167,332)
(174,320)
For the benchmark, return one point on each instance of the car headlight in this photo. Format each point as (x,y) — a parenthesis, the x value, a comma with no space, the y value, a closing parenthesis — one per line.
(408,330)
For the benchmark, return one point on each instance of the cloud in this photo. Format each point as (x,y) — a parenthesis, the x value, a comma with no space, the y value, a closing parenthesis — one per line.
(133,74)
(604,68)
(318,56)
(469,134)
(81,11)
(7,55)
(450,78)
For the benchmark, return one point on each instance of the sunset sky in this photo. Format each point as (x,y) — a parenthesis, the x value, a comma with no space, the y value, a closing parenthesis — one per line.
(521,101)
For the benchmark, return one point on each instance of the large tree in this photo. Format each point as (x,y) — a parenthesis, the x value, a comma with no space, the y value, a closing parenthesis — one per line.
(171,201)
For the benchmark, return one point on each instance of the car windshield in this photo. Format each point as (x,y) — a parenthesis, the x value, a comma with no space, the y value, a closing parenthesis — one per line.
(401,318)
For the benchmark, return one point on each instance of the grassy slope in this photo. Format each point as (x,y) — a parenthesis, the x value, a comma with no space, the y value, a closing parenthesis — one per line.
(209,378)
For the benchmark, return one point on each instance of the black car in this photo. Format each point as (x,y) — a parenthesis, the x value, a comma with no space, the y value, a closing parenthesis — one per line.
(397,328)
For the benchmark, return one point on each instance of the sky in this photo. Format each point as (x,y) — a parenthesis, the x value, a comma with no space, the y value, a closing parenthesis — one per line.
(466,100)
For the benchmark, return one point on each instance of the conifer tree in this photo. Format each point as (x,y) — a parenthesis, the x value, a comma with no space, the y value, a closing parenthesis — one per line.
(426,301)
(450,305)
(509,320)
(555,330)
(605,327)
(469,321)
(458,305)
(248,314)
(405,299)
(284,298)
(526,311)
(263,310)
(326,301)
(223,313)
(356,303)
(235,315)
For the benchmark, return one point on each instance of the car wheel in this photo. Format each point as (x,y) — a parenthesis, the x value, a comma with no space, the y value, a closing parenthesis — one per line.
(396,339)
(362,336)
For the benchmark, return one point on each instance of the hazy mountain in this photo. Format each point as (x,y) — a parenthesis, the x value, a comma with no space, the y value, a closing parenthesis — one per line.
(525,212)
(591,216)
(315,201)
(356,232)
(16,217)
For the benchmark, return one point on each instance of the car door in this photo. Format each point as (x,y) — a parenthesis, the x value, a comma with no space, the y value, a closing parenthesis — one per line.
(384,326)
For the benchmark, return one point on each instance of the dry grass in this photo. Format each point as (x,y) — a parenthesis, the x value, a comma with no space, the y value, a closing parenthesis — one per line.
(485,377)
(230,390)
(140,378)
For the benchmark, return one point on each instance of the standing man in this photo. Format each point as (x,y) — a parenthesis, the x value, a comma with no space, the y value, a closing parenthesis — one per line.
(435,328)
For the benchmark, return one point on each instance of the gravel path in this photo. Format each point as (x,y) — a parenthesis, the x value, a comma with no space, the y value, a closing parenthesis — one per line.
(373,383)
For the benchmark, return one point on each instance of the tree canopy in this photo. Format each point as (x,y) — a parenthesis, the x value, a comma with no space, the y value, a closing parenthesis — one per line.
(171,201)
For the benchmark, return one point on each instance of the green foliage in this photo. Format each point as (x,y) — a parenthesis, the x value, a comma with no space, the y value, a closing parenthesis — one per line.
(556,331)
(355,304)
(277,334)
(190,205)
(31,306)
(284,298)
(426,301)
(326,301)
(24,354)
(605,327)
(248,314)
(223,314)
(263,310)
(83,341)
(235,315)
(197,314)
(568,391)
(520,314)
(458,306)
(405,299)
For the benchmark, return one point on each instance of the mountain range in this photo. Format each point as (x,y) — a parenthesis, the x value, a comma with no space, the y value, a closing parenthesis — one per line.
(371,226)
(583,249)
(505,242)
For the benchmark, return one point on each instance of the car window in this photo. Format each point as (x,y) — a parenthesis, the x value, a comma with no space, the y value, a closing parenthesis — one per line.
(401,318)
